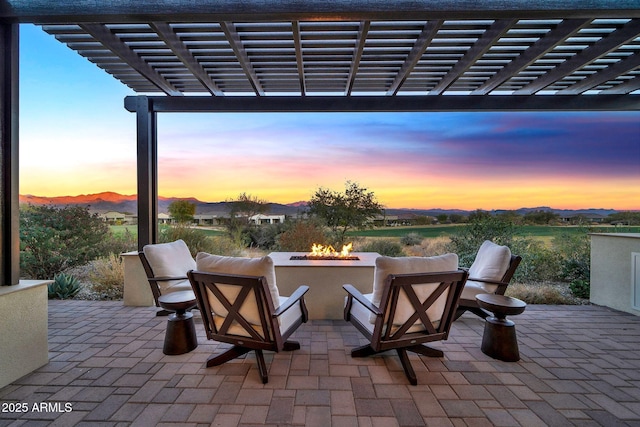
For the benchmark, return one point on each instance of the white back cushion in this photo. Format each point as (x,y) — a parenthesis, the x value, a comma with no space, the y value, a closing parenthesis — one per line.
(169,259)
(491,262)
(411,265)
(240,266)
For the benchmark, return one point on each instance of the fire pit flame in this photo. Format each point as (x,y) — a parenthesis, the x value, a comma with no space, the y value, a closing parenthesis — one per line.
(318,250)
(328,252)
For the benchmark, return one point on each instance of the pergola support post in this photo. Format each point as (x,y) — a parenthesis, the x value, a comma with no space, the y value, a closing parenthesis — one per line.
(147,140)
(9,188)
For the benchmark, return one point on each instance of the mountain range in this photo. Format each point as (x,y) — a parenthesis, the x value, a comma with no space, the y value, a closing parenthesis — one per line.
(110,201)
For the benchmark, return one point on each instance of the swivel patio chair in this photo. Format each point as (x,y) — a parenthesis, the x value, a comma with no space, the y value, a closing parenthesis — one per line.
(240,305)
(413,302)
(490,273)
(166,266)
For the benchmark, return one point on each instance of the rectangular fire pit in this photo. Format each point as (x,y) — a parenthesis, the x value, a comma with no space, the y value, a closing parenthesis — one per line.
(325,277)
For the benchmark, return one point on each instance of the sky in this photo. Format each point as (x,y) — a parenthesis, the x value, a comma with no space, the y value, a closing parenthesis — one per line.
(76,138)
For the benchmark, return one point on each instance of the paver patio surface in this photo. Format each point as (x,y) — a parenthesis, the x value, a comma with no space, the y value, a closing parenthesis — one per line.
(580,365)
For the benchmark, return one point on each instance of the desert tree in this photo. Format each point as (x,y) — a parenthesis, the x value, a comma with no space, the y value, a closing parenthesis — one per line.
(343,211)
(241,210)
(182,211)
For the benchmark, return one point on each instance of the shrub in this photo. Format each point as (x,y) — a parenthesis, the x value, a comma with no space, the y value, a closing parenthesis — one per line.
(53,240)
(300,236)
(575,253)
(107,277)
(384,247)
(222,245)
(468,239)
(266,236)
(539,263)
(64,286)
(197,240)
(580,288)
(411,239)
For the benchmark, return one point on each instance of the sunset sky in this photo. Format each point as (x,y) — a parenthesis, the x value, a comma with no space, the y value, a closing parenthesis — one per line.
(77,138)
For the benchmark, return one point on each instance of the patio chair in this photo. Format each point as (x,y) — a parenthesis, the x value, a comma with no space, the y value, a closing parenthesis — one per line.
(413,302)
(241,305)
(166,266)
(490,273)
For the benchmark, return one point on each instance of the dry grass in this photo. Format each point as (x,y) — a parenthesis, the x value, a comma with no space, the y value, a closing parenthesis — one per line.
(544,293)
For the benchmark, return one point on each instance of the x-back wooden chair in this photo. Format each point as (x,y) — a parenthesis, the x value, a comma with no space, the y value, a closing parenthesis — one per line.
(239,310)
(415,309)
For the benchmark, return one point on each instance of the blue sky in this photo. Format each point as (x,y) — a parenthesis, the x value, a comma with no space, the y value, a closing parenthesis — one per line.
(77,138)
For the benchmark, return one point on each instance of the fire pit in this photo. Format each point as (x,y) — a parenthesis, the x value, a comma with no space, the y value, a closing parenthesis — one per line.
(325,277)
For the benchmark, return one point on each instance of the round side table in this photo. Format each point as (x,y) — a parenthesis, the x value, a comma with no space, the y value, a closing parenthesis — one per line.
(180,337)
(499,339)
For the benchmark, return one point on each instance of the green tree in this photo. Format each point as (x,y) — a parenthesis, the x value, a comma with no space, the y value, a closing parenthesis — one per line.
(626,218)
(55,239)
(342,212)
(242,209)
(182,211)
(541,217)
(467,240)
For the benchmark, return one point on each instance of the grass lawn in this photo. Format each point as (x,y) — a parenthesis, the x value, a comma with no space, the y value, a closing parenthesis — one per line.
(543,231)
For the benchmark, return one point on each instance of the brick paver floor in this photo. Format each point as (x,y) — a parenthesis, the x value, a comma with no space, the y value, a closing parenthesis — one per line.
(580,365)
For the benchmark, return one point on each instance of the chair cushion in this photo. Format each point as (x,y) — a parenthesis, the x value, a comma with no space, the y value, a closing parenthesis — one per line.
(240,266)
(411,265)
(170,260)
(491,263)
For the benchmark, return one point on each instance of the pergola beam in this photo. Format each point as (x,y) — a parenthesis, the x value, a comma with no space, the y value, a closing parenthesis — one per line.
(122,11)
(427,103)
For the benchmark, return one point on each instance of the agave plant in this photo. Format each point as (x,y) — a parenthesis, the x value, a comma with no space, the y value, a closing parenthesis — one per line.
(64,286)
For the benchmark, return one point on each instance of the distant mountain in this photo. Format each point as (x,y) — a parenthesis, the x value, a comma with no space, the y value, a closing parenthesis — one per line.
(110,201)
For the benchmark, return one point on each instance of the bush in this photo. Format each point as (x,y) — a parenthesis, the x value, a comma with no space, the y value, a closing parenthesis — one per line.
(539,263)
(541,293)
(411,239)
(197,240)
(384,247)
(575,252)
(580,288)
(107,277)
(53,240)
(64,286)
(266,236)
(468,239)
(300,236)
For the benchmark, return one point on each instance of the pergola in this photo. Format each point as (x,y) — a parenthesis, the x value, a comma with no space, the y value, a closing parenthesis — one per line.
(339,56)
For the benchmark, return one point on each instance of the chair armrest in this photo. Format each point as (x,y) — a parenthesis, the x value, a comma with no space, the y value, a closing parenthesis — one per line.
(166,278)
(354,293)
(297,295)
(493,282)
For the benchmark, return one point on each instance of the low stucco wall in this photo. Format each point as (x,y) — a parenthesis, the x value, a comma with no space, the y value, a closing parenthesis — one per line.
(615,271)
(23,329)
(137,292)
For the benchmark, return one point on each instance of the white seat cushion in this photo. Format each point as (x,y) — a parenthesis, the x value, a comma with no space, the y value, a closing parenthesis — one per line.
(241,266)
(412,265)
(170,260)
(491,263)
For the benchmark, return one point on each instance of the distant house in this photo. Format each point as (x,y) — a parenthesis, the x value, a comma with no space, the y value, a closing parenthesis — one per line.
(205,219)
(113,217)
(260,219)
(583,218)
(164,218)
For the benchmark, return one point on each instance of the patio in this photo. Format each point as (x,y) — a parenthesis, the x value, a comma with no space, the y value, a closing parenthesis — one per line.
(579,366)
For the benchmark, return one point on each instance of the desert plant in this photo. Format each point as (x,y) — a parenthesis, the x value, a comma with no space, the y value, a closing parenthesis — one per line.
(300,236)
(196,240)
(411,239)
(107,277)
(539,262)
(482,226)
(384,247)
(541,293)
(580,288)
(55,239)
(64,286)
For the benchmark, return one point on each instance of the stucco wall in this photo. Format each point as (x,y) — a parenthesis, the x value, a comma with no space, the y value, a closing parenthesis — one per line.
(23,329)
(612,267)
